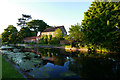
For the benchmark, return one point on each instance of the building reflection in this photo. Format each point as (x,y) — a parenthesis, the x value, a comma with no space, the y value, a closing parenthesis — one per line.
(53,56)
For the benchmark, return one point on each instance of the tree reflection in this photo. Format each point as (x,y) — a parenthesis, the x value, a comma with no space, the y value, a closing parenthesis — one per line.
(88,68)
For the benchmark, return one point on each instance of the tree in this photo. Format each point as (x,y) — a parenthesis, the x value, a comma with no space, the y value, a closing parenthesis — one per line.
(37,25)
(75,34)
(22,21)
(70,39)
(101,24)
(24,32)
(12,38)
(7,34)
(58,34)
(49,38)
(45,39)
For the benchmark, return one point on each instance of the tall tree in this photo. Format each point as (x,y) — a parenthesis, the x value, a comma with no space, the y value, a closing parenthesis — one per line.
(101,24)
(22,21)
(75,34)
(37,25)
(75,31)
(9,31)
(24,32)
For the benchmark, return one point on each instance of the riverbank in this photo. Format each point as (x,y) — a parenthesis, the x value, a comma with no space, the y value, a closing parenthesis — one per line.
(67,48)
(9,71)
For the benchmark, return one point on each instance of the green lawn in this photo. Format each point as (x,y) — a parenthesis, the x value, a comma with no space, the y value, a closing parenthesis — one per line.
(0,40)
(9,72)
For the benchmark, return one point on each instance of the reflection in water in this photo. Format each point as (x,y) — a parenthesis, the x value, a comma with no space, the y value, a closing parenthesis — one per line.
(56,63)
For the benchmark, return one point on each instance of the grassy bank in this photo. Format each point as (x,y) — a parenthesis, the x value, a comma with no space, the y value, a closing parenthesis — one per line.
(9,72)
(0,40)
(98,49)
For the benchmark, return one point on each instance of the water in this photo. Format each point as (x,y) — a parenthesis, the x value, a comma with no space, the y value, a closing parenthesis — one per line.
(57,63)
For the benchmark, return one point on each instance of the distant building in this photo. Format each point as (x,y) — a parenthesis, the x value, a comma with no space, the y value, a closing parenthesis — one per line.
(51,31)
(30,39)
(48,31)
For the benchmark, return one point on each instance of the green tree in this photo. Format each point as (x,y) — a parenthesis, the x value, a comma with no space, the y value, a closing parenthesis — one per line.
(45,39)
(5,35)
(58,34)
(12,38)
(10,30)
(49,38)
(101,24)
(41,41)
(70,39)
(22,21)
(37,25)
(75,34)
(24,32)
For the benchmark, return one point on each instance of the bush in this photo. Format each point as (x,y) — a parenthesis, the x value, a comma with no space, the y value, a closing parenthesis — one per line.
(54,41)
(49,38)
(45,39)
(5,43)
(41,41)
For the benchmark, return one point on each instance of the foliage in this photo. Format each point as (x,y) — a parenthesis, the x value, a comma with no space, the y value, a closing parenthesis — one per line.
(58,34)
(76,32)
(9,34)
(22,21)
(37,25)
(41,41)
(76,35)
(24,32)
(54,41)
(45,39)
(101,24)
(12,38)
(49,38)
(69,38)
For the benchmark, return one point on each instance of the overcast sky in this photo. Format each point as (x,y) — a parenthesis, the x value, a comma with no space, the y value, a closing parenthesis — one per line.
(53,12)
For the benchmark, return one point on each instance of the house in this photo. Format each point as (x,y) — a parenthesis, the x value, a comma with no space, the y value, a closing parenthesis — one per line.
(48,31)
(51,31)
(29,39)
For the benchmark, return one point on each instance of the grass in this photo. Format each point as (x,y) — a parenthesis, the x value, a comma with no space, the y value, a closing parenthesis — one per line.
(68,46)
(0,39)
(9,72)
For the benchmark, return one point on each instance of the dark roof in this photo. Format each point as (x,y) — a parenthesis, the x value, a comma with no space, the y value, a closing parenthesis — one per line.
(51,29)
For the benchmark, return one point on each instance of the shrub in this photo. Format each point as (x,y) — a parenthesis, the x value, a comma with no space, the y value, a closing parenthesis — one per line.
(45,39)
(41,41)
(49,38)
(54,41)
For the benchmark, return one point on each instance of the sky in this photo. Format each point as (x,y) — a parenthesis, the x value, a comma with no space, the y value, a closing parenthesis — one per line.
(53,12)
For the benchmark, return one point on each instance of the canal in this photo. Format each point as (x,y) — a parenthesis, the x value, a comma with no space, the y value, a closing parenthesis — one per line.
(58,63)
